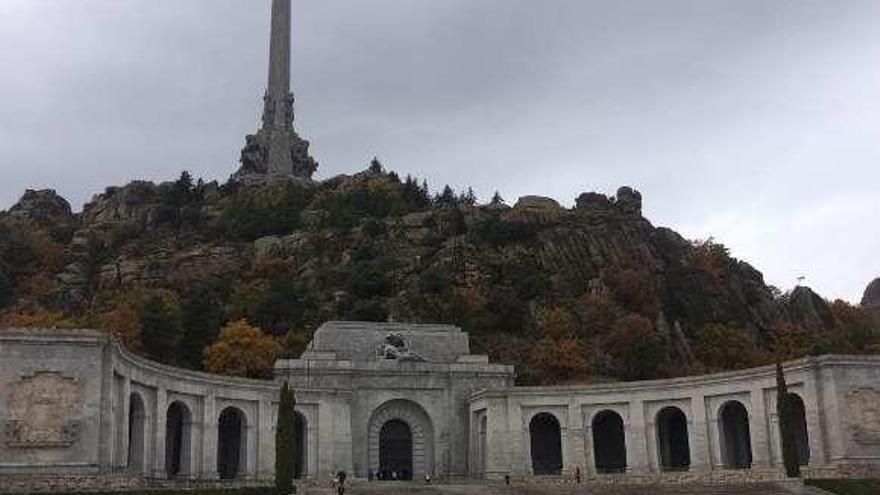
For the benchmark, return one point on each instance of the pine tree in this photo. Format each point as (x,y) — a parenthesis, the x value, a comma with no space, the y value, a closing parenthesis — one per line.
(285,441)
(789,445)
(447,197)
(160,330)
(469,198)
(376,166)
(497,199)
(6,292)
(202,316)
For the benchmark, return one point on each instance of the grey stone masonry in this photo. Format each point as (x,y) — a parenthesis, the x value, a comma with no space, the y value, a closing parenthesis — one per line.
(78,410)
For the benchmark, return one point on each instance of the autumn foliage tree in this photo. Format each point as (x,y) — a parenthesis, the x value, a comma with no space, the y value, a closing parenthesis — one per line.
(242,350)
(559,355)
(720,348)
(635,347)
(791,341)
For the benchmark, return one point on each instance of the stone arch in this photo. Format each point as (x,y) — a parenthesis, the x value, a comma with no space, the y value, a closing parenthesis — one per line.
(178,440)
(231,443)
(736,438)
(609,442)
(421,429)
(673,444)
(797,418)
(301,455)
(137,422)
(545,436)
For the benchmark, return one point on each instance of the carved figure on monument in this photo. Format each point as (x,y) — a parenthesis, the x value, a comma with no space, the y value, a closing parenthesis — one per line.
(396,347)
(44,409)
(864,415)
(276,150)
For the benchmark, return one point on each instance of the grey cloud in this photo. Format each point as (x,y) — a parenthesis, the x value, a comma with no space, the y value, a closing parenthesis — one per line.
(751,121)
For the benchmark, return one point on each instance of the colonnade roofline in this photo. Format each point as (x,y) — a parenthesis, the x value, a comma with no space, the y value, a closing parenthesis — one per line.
(767,372)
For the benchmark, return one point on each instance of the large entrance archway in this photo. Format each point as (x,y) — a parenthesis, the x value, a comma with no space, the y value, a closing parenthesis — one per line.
(736,440)
(231,443)
(387,439)
(300,456)
(672,439)
(546,444)
(797,418)
(137,420)
(609,443)
(395,451)
(178,426)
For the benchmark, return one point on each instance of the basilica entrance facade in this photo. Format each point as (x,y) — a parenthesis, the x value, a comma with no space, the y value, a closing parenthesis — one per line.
(401,441)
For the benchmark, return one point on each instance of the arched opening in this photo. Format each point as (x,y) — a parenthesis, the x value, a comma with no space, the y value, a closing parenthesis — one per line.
(395,451)
(546,439)
(797,418)
(137,415)
(609,443)
(672,439)
(178,424)
(736,440)
(231,443)
(421,429)
(300,456)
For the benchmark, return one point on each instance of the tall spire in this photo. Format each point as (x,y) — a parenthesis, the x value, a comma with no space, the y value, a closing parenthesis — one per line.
(278,94)
(278,104)
(276,150)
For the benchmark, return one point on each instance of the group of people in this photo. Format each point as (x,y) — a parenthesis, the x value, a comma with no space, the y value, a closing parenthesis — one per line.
(389,475)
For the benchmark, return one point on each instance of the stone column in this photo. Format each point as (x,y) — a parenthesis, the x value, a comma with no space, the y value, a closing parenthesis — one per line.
(126,424)
(635,434)
(497,448)
(758,426)
(210,425)
(698,435)
(161,417)
(812,406)
(575,451)
(262,462)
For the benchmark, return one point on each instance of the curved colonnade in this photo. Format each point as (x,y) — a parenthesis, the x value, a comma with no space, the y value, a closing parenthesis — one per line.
(709,423)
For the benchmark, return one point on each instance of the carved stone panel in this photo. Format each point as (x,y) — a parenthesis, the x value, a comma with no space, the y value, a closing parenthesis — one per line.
(44,411)
(864,415)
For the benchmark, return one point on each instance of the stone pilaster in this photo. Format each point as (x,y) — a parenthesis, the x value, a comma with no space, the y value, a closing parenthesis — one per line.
(758,427)
(635,432)
(699,435)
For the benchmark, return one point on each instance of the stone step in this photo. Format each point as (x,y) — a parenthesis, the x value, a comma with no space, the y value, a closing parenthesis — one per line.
(404,488)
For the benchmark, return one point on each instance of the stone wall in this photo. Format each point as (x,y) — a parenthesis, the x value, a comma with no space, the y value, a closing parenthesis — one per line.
(840,396)
(76,404)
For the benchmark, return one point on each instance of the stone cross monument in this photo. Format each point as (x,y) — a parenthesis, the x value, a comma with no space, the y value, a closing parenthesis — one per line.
(276,150)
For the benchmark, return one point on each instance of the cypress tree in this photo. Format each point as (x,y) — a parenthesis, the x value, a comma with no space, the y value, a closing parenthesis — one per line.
(285,441)
(789,445)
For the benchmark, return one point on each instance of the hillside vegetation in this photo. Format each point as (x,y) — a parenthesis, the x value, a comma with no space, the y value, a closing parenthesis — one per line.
(591,293)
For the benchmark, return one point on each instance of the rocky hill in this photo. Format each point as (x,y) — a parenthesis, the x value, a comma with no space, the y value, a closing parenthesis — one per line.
(587,293)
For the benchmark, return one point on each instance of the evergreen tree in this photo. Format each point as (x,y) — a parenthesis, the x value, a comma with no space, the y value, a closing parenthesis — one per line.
(285,441)
(447,197)
(6,292)
(783,407)
(497,199)
(160,329)
(201,316)
(376,166)
(469,198)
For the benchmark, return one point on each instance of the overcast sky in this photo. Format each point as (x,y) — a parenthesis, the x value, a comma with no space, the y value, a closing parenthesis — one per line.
(755,122)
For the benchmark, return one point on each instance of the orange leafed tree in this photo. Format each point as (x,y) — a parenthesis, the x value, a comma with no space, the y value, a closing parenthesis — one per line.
(560,355)
(242,350)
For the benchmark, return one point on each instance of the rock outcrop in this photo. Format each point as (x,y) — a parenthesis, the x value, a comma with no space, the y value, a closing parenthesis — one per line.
(871,299)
